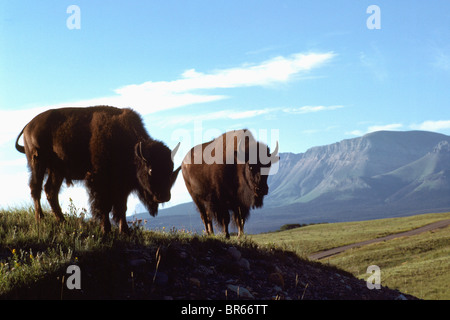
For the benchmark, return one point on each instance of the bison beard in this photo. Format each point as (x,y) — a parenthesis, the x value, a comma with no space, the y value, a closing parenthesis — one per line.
(106,147)
(218,187)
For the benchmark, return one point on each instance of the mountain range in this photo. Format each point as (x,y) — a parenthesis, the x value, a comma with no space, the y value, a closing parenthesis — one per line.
(381,174)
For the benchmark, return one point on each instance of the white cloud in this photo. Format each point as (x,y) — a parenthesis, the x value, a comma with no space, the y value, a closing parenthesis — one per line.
(151,97)
(249,113)
(355,133)
(22,161)
(12,121)
(429,125)
(386,127)
(190,88)
(14,189)
(217,115)
(310,109)
(154,96)
(432,125)
(235,115)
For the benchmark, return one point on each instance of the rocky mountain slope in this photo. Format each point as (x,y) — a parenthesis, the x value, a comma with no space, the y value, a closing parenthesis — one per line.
(353,167)
(389,172)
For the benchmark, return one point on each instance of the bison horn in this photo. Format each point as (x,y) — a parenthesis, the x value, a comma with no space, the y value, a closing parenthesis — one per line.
(174,151)
(275,154)
(140,154)
(241,145)
(241,155)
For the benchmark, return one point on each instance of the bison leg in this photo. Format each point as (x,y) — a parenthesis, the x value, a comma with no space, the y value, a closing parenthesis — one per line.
(100,205)
(240,229)
(207,222)
(119,213)
(225,230)
(239,221)
(209,227)
(105,224)
(224,220)
(205,218)
(36,179)
(100,210)
(52,188)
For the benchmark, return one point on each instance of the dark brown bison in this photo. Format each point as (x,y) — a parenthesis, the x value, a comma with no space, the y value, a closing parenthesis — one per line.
(226,174)
(106,147)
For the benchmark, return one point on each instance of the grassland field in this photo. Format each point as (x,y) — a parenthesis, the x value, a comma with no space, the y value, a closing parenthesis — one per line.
(418,265)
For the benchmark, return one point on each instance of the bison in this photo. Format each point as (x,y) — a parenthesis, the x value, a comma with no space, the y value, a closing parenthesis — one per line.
(226,174)
(106,147)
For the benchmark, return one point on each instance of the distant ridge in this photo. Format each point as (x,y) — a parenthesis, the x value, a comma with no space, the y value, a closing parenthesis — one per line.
(381,174)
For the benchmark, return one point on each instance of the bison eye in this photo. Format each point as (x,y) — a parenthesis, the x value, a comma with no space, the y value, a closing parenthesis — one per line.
(150,171)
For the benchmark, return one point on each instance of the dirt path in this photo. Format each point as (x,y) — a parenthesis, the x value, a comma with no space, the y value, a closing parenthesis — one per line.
(429,227)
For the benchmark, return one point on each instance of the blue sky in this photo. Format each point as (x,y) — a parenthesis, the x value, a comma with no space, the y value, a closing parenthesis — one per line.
(305,73)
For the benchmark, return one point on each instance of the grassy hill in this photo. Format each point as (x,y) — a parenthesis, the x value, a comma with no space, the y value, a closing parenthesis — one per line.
(167,264)
(417,265)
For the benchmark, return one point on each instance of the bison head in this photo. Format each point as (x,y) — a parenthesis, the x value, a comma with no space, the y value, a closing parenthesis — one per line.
(256,172)
(155,175)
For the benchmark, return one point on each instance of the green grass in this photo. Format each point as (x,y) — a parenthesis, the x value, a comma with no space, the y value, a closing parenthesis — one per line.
(34,257)
(32,253)
(418,265)
(315,238)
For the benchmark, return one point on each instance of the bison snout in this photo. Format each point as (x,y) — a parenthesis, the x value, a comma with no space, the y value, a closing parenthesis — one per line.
(262,191)
(162,198)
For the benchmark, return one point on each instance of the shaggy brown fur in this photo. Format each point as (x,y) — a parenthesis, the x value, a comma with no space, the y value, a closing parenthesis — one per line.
(106,147)
(222,175)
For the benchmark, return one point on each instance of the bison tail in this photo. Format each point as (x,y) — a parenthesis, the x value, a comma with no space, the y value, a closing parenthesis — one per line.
(20,148)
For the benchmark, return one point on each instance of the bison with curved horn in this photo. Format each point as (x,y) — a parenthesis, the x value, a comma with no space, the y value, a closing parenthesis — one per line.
(106,147)
(227,174)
